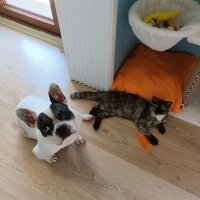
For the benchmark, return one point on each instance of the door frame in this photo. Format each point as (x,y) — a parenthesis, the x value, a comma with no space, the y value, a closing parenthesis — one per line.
(31,19)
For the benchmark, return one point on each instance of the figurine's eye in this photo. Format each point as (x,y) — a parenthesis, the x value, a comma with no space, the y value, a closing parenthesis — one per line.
(64,115)
(46,129)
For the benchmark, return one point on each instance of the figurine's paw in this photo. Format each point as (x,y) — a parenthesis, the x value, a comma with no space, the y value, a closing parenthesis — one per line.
(80,140)
(73,130)
(52,159)
(87,117)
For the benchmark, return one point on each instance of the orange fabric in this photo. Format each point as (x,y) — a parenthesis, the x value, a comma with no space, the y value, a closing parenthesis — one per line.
(148,73)
(144,142)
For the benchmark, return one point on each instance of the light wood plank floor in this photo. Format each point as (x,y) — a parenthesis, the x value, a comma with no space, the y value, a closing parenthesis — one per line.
(110,166)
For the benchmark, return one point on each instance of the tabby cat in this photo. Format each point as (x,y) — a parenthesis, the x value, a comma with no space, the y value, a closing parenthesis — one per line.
(129,106)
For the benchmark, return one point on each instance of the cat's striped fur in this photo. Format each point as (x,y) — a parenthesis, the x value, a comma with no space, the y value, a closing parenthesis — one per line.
(129,106)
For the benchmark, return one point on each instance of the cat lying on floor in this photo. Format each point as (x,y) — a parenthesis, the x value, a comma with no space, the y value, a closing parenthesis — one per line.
(129,106)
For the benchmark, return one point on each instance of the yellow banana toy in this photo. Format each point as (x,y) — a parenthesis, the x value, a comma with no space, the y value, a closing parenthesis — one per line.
(155,18)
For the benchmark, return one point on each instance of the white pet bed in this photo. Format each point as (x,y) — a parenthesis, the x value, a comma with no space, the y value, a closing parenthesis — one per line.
(162,39)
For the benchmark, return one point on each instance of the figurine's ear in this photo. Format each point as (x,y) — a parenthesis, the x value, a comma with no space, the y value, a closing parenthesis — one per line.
(27,116)
(56,95)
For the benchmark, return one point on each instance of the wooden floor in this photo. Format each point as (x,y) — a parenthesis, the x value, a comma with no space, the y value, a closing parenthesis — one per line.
(110,166)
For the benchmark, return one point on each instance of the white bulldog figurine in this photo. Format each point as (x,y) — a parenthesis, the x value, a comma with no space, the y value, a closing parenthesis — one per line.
(51,122)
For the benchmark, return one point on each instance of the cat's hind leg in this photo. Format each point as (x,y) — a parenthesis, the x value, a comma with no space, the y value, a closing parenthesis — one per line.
(99,117)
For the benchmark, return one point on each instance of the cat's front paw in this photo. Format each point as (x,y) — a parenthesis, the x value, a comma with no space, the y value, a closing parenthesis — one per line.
(161,128)
(152,139)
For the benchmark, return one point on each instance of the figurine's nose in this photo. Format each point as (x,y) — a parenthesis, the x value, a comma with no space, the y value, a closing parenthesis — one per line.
(63,130)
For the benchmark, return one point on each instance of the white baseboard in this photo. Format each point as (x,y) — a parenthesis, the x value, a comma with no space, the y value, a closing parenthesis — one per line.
(33,32)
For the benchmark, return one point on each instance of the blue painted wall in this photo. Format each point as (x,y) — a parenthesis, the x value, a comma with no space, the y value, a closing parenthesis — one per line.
(126,40)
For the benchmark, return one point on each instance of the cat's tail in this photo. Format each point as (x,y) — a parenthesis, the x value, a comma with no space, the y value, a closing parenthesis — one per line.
(96,96)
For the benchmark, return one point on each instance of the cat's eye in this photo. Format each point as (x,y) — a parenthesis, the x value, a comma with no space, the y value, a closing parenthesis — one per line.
(46,129)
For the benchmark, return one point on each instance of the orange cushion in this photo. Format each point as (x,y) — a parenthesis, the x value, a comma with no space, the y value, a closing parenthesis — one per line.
(148,73)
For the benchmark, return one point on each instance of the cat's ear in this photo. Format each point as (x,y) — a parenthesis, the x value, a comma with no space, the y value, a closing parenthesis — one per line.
(169,103)
(155,99)
(27,116)
(56,95)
